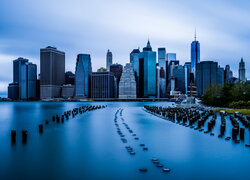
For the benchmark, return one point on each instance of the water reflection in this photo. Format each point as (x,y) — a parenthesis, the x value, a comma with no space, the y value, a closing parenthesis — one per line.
(88,147)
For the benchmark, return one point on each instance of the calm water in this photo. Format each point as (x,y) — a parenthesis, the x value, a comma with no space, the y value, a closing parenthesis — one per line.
(88,147)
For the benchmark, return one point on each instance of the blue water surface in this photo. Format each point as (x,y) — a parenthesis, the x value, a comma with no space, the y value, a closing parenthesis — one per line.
(88,146)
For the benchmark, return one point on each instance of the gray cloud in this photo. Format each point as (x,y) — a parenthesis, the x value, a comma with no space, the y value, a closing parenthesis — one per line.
(81,26)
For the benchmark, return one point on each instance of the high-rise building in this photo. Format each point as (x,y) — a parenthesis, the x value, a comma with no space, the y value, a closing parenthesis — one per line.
(134,60)
(69,78)
(31,80)
(20,76)
(162,60)
(170,81)
(242,71)
(147,72)
(117,70)
(83,76)
(208,73)
(24,80)
(109,60)
(179,75)
(127,86)
(195,55)
(228,74)
(52,72)
(187,67)
(102,85)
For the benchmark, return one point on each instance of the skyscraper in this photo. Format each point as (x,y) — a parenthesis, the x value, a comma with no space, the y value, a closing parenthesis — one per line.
(242,71)
(195,55)
(162,57)
(31,80)
(102,85)
(228,74)
(208,73)
(52,72)
(20,76)
(117,70)
(83,72)
(127,86)
(134,60)
(147,72)
(187,67)
(24,80)
(109,60)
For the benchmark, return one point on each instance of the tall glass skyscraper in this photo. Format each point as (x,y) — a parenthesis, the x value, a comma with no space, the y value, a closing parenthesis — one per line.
(109,60)
(134,60)
(31,80)
(195,55)
(24,80)
(20,76)
(162,61)
(147,72)
(83,76)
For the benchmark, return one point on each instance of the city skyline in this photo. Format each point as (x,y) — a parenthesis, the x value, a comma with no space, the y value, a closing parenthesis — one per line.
(120,40)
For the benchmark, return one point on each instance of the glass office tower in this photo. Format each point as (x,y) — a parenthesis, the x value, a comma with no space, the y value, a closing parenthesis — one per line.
(195,55)
(147,72)
(83,76)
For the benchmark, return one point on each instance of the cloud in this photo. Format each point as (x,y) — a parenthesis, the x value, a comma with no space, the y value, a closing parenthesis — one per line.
(81,26)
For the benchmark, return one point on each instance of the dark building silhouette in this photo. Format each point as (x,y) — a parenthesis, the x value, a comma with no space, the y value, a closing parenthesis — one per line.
(52,72)
(208,73)
(103,85)
(13,91)
(117,70)
(69,78)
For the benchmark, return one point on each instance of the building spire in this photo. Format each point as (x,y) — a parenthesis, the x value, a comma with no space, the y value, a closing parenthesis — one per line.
(195,35)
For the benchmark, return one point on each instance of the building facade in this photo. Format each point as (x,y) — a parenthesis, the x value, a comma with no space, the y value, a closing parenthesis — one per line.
(52,72)
(195,55)
(31,70)
(208,73)
(69,78)
(109,60)
(134,60)
(242,71)
(147,72)
(102,85)
(162,61)
(116,69)
(24,80)
(127,86)
(83,72)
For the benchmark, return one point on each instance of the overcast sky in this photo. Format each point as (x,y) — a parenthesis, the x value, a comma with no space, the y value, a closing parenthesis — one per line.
(94,26)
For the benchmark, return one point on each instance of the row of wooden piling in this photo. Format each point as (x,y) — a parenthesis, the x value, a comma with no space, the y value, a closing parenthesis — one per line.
(183,115)
(65,115)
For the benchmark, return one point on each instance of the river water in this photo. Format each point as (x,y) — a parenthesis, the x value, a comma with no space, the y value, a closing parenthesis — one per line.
(88,146)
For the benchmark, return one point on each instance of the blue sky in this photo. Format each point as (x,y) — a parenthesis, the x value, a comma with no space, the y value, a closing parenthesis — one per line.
(84,26)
